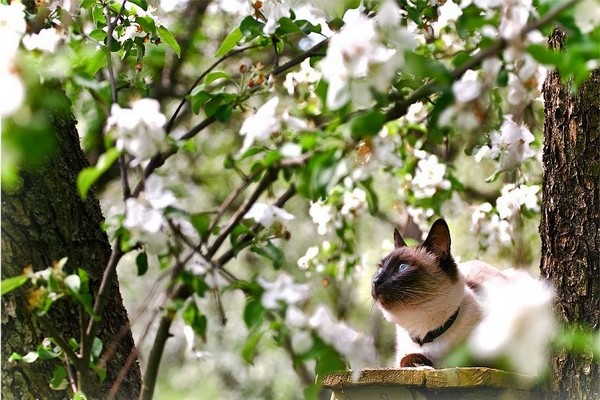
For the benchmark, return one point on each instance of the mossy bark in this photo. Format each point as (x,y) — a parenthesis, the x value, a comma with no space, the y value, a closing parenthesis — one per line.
(44,220)
(570,223)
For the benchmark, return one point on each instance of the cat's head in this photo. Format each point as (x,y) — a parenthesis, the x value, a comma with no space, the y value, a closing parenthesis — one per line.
(413,276)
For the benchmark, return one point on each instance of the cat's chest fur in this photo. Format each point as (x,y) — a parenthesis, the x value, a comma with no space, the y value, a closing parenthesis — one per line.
(434,302)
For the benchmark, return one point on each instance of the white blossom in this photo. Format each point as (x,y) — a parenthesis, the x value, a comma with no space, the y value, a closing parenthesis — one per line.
(261,125)
(295,317)
(290,150)
(12,28)
(416,112)
(447,13)
(266,214)
(514,197)
(468,87)
(355,52)
(273,10)
(322,215)
(283,289)
(138,130)
(518,327)
(302,341)
(511,144)
(46,40)
(73,282)
(429,176)
(306,74)
(144,215)
(355,346)
(311,253)
(353,201)
(587,15)
(514,18)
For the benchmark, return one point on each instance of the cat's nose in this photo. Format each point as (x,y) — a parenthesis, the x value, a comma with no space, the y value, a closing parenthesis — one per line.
(378,278)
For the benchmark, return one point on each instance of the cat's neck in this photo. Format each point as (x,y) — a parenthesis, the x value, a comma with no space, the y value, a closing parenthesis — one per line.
(420,319)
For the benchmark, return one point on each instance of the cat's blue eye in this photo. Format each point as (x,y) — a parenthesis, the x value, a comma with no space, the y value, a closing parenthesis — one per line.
(402,267)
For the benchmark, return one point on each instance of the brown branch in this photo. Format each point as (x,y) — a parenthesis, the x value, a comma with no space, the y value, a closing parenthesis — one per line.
(264,183)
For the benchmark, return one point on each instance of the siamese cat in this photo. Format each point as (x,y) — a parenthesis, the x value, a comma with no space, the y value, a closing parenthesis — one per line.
(434,302)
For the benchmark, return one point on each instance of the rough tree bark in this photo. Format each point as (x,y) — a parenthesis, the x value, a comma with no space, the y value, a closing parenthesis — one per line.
(43,221)
(570,223)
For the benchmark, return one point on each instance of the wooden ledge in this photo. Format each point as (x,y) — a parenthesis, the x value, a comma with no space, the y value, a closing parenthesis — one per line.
(431,378)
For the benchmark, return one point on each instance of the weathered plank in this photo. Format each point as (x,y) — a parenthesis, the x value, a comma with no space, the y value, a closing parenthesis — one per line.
(415,383)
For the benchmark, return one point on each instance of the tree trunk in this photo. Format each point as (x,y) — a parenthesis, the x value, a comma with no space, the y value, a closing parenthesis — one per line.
(43,221)
(570,223)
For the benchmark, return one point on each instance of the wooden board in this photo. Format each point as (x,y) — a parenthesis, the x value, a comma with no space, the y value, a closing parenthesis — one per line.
(416,383)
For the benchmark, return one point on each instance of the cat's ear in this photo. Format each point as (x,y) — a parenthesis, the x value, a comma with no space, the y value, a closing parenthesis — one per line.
(398,241)
(438,239)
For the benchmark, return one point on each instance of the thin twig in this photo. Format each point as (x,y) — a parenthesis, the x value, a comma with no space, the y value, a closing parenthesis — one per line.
(232,196)
(247,239)
(169,125)
(62,343)
(100,303)
(264,183)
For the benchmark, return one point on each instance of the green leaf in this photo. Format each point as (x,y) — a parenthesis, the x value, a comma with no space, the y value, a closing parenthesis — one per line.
(319,174)
(195,319)
(59,378)
(88,3)
(141,261)
(249,350)
(251,28)
(88,176)
(10,284)
(372,200)
(213,76)
(230,41)
(368,124)
(143,4)
(96,347)
(47,353)
(202,223)
(271,252)
(253,313)
(79,396)
(198,98)
(167,37)
(544,55)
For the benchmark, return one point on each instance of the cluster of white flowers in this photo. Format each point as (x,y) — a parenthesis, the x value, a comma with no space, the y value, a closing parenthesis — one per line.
(45,40)
(322,214)
(353,201)
(587,15)
(266,121)
(12,29)
(355,346)
(266,214)
(496,224)
(510,145)
(138,130)
(430,176)
(283,289)
(305,75)
(519,327)
(145,217)
(420,216)
(357,59)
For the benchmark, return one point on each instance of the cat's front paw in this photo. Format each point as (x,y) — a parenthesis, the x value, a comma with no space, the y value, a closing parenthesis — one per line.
(415,360)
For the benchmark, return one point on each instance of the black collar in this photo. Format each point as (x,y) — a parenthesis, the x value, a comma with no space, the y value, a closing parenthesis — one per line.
(431,335)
